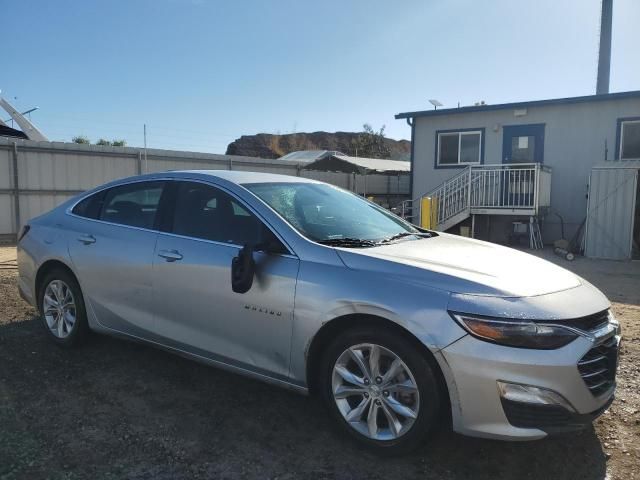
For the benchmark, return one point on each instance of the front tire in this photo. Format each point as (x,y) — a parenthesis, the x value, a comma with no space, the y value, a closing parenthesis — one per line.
(381,389)
(62,309)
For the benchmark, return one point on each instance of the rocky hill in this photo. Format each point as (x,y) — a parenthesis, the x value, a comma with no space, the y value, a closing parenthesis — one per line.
(268,145)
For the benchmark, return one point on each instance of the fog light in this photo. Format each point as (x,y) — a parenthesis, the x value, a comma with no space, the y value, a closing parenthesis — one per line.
(529,394)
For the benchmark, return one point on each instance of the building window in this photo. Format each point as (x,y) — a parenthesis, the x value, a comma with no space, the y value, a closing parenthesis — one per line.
(459,148)
(629,139)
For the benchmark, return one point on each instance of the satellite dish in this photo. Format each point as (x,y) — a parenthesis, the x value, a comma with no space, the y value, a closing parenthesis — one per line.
(435,103)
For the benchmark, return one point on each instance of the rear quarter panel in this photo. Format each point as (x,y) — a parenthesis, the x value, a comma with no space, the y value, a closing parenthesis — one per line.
(45,241)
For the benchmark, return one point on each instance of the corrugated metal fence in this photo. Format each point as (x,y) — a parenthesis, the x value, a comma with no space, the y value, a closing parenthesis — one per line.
(612,210)
(37,176)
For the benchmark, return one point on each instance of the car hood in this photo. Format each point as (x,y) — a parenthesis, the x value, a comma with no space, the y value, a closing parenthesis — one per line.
(463,265)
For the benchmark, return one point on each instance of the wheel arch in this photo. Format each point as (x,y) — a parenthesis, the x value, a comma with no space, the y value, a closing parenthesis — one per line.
(44,269)
(343,323)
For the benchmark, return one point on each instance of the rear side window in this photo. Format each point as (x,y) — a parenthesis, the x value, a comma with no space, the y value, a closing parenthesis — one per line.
(90,207)
(205,212)
(135,204)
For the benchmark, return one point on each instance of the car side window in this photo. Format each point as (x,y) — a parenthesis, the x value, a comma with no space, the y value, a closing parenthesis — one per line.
(134,204)
(91,206)
(203,211)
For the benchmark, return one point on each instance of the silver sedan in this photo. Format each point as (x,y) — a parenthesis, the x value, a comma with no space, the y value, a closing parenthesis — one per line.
(315,289)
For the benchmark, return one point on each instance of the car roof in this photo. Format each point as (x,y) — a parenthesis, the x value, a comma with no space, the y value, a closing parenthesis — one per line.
(241,177)
(237,177)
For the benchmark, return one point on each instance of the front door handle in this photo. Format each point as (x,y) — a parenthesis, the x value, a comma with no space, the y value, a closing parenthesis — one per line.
(170,255)
(87,239)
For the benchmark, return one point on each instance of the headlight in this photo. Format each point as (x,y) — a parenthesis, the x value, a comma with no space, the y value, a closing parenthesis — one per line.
(516,333)
(613,321)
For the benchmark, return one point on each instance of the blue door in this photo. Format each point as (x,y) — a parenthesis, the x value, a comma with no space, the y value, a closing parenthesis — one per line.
(521,144)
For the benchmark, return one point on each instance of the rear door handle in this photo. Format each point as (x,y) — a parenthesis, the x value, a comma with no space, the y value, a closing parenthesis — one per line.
(87,239)
(170,255)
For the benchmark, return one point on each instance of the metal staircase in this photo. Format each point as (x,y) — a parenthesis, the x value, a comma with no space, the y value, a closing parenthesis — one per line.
(503,189)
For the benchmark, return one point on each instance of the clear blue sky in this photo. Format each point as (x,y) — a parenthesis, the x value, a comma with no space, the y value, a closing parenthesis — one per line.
(200,73)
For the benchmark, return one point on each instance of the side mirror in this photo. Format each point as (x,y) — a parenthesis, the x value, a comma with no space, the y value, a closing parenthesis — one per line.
(243,270)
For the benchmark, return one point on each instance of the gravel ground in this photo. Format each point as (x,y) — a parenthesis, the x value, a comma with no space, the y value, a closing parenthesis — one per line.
(115,409)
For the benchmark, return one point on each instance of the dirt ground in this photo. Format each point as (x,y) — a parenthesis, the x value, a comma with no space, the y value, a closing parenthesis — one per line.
(115,409)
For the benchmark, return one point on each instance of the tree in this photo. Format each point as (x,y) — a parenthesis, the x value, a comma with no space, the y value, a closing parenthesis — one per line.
(370,143)
(103,142)
(81,139)
(274,145)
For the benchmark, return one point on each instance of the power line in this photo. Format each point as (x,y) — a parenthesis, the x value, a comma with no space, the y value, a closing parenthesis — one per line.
(151,133)
(130,125)
(160,143)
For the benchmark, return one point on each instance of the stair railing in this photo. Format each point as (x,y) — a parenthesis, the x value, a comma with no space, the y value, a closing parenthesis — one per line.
(500,186)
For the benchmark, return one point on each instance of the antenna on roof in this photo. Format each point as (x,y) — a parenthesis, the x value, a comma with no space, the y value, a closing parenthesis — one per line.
(26,112)
(27,127)
(435,103)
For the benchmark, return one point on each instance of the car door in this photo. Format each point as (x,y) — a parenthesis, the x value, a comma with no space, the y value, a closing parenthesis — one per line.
(196,309)
(111,242)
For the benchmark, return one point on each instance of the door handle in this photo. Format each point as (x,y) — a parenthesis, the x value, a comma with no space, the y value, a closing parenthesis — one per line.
(87,239)
(170,255)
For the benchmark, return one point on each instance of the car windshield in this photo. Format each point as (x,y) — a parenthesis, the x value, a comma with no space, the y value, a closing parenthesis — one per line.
(330,215)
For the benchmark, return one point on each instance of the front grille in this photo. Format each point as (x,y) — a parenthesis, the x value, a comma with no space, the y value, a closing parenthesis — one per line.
(598,366)
(586,324)
(590,322)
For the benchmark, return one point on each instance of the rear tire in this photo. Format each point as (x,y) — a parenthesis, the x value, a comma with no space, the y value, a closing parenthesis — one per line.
(62,309)
(392,407)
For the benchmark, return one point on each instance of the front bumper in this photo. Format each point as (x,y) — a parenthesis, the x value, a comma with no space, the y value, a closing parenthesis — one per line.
(551,419)
(473,367)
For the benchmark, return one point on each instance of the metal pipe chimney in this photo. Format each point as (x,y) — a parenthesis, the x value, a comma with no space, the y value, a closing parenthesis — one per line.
(604,54)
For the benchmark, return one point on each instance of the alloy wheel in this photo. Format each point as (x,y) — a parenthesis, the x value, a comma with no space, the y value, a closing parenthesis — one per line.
(59,308)
(375,391)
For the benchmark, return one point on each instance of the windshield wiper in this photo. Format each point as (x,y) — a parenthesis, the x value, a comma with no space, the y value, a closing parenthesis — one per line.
(348,242)
(405,234)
